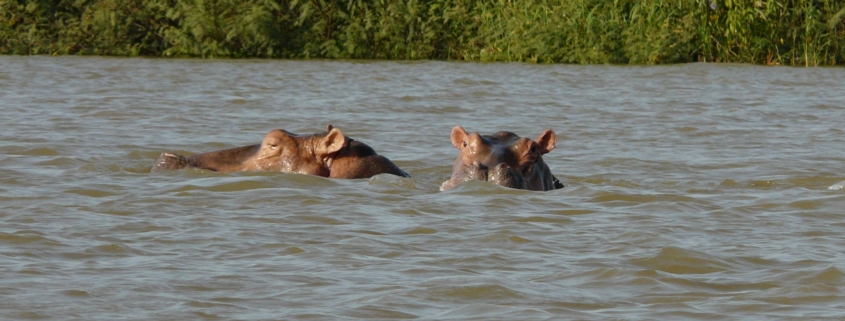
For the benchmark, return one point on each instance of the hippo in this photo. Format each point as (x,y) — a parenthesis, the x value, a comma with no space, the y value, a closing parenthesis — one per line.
(328,154)
(504,159)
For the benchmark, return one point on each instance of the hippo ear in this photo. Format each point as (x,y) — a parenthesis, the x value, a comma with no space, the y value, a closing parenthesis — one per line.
(329,127)
(459,136)
(333,142)
(547,141)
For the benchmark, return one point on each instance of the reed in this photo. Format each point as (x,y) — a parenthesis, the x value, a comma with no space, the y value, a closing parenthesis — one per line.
(788,32)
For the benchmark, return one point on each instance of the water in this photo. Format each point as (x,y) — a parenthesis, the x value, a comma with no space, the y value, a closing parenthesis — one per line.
(695,191)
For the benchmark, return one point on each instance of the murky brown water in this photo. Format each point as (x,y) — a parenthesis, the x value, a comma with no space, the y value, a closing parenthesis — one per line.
(694,191)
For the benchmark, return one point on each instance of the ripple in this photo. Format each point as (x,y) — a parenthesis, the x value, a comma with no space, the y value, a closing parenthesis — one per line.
(375,312)
(419,230)
(230,184)
(76,293)
(631,199)
(573,212)
(28,237)
(682,261)
(469,81)
(29,151)
(90,192)
(109,248)
(482,311)
(316,219)
(481,188)
(831,276)
(58,162)
(542,219)
(473,292)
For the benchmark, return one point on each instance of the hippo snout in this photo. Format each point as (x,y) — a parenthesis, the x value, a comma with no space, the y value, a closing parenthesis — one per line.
(168,161)
(506,176)
(501,174)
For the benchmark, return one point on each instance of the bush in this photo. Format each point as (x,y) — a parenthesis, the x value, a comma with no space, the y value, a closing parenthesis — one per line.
(795,32)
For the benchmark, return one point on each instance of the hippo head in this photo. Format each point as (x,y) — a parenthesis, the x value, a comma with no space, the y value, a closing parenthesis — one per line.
(503,158)
(327,154)
(304,154)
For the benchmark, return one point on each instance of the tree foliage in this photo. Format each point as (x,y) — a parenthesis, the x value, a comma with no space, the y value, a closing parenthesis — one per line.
(796,32)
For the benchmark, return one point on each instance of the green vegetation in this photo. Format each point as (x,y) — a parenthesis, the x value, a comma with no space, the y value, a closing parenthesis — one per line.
(789,32)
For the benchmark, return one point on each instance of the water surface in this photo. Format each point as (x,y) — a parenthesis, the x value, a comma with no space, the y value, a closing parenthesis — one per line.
(695,191)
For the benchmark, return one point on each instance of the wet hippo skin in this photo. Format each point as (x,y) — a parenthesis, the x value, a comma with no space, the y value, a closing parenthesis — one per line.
(504,159)
(327,154)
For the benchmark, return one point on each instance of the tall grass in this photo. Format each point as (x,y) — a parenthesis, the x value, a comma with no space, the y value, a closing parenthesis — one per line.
(790,32)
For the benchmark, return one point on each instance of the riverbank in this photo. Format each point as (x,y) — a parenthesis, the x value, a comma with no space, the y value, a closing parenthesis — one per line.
(794,32)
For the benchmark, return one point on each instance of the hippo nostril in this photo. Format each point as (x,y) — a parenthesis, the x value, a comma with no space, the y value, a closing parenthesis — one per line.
(526,170)
(502,166)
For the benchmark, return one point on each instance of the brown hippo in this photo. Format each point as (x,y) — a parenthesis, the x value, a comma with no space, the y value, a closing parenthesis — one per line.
(504,159)
(328,154)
